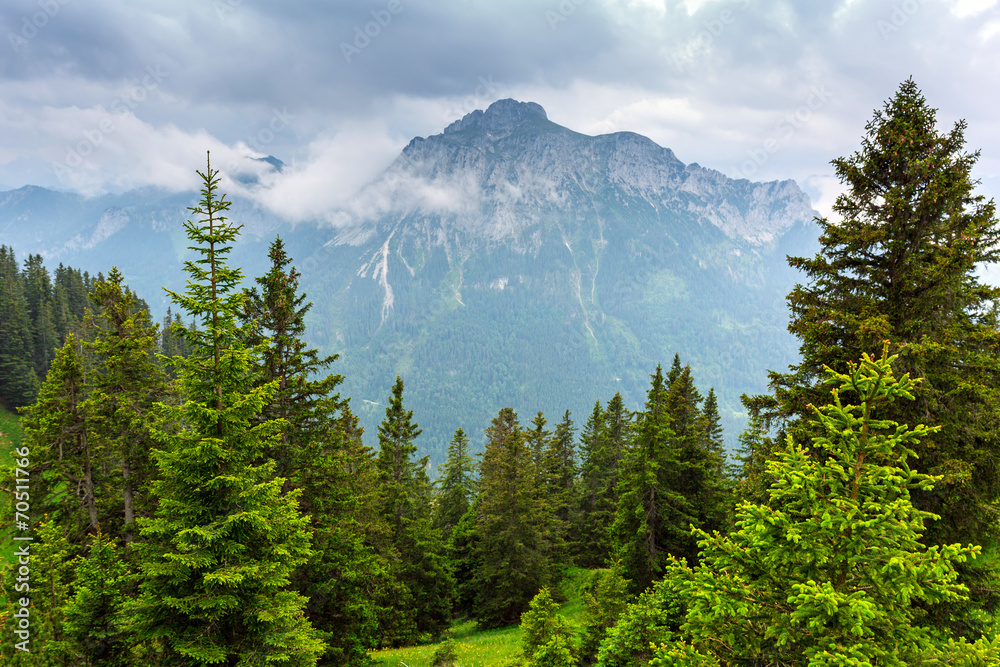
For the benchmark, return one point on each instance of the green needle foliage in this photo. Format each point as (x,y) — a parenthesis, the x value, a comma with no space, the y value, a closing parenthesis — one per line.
(606,437)
(18,381)
(405,505)
(457,484)
(606,600)
(548,641)
(55,428)
(512,563)
(124,388)
(900,264)
(827,571)
(320,453)
(217,557)
(52,562)
(96,628)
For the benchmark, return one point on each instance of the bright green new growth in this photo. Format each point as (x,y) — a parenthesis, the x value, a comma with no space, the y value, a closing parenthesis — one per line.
(827,572)
(218,554)
(548,641)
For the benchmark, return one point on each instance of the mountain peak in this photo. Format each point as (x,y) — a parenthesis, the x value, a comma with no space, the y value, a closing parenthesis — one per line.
(500,117)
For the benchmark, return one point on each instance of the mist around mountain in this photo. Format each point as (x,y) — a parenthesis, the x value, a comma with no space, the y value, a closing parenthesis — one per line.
(508,261)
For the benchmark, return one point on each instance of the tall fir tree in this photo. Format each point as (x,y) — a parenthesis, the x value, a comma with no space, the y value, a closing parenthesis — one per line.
(121,401)
(538,439)
(560,466)
(275,315)
(512,562)
(57,429)
(826,571)
(671,480)
(606,437)
(712,425)
(18,381)
(38,296)
(646,494)
(406,507)
(701,471)
(900,264)
(457,484)
(217,557)
(319,453)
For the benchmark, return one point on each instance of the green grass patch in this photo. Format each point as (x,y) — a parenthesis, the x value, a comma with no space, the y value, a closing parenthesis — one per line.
(10,436)
(489,648)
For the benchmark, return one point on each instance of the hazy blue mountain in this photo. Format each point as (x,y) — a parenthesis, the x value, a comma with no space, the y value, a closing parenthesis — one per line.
(140,231)
(508,261)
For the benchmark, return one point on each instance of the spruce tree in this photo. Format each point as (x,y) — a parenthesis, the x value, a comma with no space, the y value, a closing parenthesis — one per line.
(671,479)
(123,392)
(900,264)
(701,473)
(406,507)
(57,430)
(319,453)
(457,484)
(548,640)
(606,600)
(712,426)
(537,439)
(649,507)
(512,562)
(347,581)
(603,443)
(217,557)
(38,296)
(275,315)
(559,463)
(96,628)
(53,559)
(826,571)
(18,381)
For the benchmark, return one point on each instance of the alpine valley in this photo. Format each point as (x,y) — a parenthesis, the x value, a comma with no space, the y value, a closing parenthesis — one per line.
(508,261)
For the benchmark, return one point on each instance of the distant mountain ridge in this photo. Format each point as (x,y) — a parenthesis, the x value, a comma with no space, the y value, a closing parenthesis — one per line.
(600,256)
(498,148)
(507,261)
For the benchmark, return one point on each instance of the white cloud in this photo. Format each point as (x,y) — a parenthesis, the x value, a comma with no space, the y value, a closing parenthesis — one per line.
(336,166)
(965,8)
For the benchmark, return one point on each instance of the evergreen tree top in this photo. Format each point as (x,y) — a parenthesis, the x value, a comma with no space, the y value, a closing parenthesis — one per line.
(397,431)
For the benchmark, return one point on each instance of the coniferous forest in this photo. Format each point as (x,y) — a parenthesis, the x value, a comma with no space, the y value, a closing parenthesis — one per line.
(199,493)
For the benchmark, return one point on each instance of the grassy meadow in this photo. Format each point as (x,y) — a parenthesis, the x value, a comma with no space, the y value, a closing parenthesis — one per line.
(488,648)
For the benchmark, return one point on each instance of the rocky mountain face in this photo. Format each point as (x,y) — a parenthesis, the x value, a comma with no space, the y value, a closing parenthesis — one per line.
(507,261)
(510,261)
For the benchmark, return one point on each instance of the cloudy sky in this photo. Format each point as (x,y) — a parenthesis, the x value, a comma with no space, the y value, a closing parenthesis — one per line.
(106,95)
